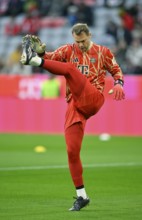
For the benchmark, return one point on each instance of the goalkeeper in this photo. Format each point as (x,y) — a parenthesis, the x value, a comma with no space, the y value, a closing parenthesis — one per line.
(84,65)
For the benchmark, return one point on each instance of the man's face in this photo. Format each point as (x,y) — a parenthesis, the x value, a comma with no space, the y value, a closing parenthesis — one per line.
(83,41)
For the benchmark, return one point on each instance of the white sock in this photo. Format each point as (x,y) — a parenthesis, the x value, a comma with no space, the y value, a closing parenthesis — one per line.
(82,193)
(35,61)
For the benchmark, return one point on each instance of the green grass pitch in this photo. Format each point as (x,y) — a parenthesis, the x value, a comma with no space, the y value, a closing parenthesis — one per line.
(38,186)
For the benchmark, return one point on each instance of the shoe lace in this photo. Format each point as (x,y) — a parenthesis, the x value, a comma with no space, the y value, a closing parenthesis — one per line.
(27,40)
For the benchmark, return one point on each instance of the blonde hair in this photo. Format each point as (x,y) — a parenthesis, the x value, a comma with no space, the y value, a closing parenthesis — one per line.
(79,28)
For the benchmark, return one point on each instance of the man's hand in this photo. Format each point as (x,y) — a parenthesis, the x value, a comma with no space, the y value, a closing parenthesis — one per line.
(37,45)
(117,92)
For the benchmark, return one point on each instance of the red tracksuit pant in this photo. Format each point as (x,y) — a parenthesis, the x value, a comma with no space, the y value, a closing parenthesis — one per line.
(86,101)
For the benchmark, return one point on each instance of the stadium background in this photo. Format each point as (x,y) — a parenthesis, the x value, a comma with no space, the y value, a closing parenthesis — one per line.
(20,92)
(34,178)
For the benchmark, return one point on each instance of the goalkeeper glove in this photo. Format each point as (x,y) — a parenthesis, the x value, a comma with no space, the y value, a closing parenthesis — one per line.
(37,45)
(117,91)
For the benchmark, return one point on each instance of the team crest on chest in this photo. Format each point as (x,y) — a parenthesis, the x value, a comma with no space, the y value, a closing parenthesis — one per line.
(92,60)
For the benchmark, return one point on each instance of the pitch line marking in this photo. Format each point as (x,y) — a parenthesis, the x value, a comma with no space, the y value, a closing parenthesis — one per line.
(130,164)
